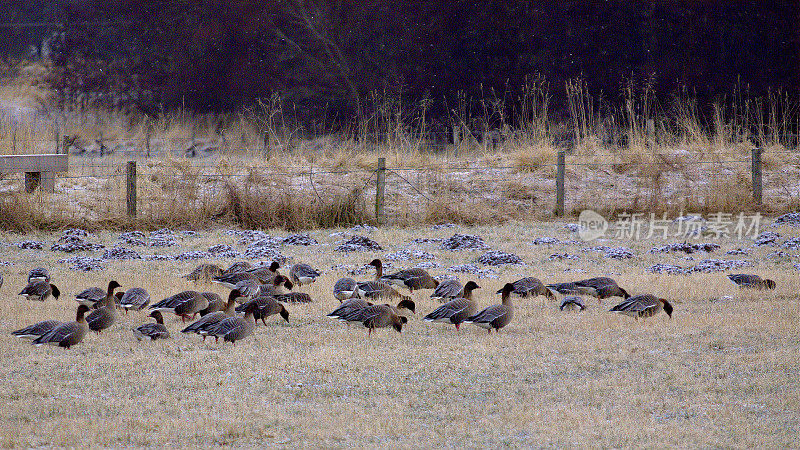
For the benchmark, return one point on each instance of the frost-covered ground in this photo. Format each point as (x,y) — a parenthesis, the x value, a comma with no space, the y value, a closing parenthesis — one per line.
(723,372)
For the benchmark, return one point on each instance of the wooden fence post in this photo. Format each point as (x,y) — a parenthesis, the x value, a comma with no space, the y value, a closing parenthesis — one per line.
(131,188)
(560,184)
(380,186)
(756,167)
(147,140)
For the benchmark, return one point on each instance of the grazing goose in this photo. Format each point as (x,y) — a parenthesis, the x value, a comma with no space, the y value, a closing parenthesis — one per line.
(605,287)
(457,310)
(573,289)
(643,305)
(184,304)
(410,279)
(267,305)
(39,274)
(448,290)
(235,328)
(104,316)
(495,316)
(67,334)
(751,281)
(294,297)
(348,308)
(91,297)
(36,330)
(381,316)
(204,272)
(572,303)
(134,298)
(265,273)
(345,288)
(207,321)
(40,290)
(248,288)
(153,331)
(215,303)
(191,307)
(231,280)
(301,274)
(241,266)
(279,285)
(353,313)
(530,286)
(377,290)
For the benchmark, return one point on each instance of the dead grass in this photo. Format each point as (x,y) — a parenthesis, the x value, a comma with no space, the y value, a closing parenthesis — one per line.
(721,373)
(636,158)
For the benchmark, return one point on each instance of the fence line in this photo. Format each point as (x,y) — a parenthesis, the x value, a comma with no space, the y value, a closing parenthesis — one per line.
(474,187)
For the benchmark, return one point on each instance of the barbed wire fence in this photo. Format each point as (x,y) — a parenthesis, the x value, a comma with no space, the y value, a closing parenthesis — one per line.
(140,181)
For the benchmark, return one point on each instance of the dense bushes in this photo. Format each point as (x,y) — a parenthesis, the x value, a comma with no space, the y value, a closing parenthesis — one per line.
(327,56)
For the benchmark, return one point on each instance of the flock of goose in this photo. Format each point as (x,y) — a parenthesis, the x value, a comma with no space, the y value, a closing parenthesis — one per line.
(258,292)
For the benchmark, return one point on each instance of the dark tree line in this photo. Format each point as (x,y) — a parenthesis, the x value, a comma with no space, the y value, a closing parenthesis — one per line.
(327,56)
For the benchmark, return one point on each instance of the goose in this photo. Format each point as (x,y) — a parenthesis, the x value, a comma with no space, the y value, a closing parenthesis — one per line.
(231,280)
(36,330)
(354,313)
(301,274)
(204,323)
(605,287)
(204,272)
(265,273)
(134,298)
(457,310)
(67,334)
(643,305)
(151,330)
(40,290)
(215,303)
(378,290)
(345,288)
(241,266)
(248,288)
(39,274)
(184,304)
(410,279)
(91,296)
(267,305)
(279,285)
(381,316)
(496,316)
(348,308)
(530,286)
(751,281)
(104,316)
(572,302)
(294,297)
(448,290)
(235,328)
(573,289)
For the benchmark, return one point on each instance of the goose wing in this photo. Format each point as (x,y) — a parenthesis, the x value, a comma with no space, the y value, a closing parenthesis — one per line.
(37,329)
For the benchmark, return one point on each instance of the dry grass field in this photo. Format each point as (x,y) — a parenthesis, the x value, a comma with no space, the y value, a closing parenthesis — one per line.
(723,372)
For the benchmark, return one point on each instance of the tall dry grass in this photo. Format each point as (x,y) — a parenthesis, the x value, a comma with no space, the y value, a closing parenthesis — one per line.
(640,155)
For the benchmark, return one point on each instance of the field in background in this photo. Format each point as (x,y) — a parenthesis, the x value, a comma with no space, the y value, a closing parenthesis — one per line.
(257,168)
(722,373)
